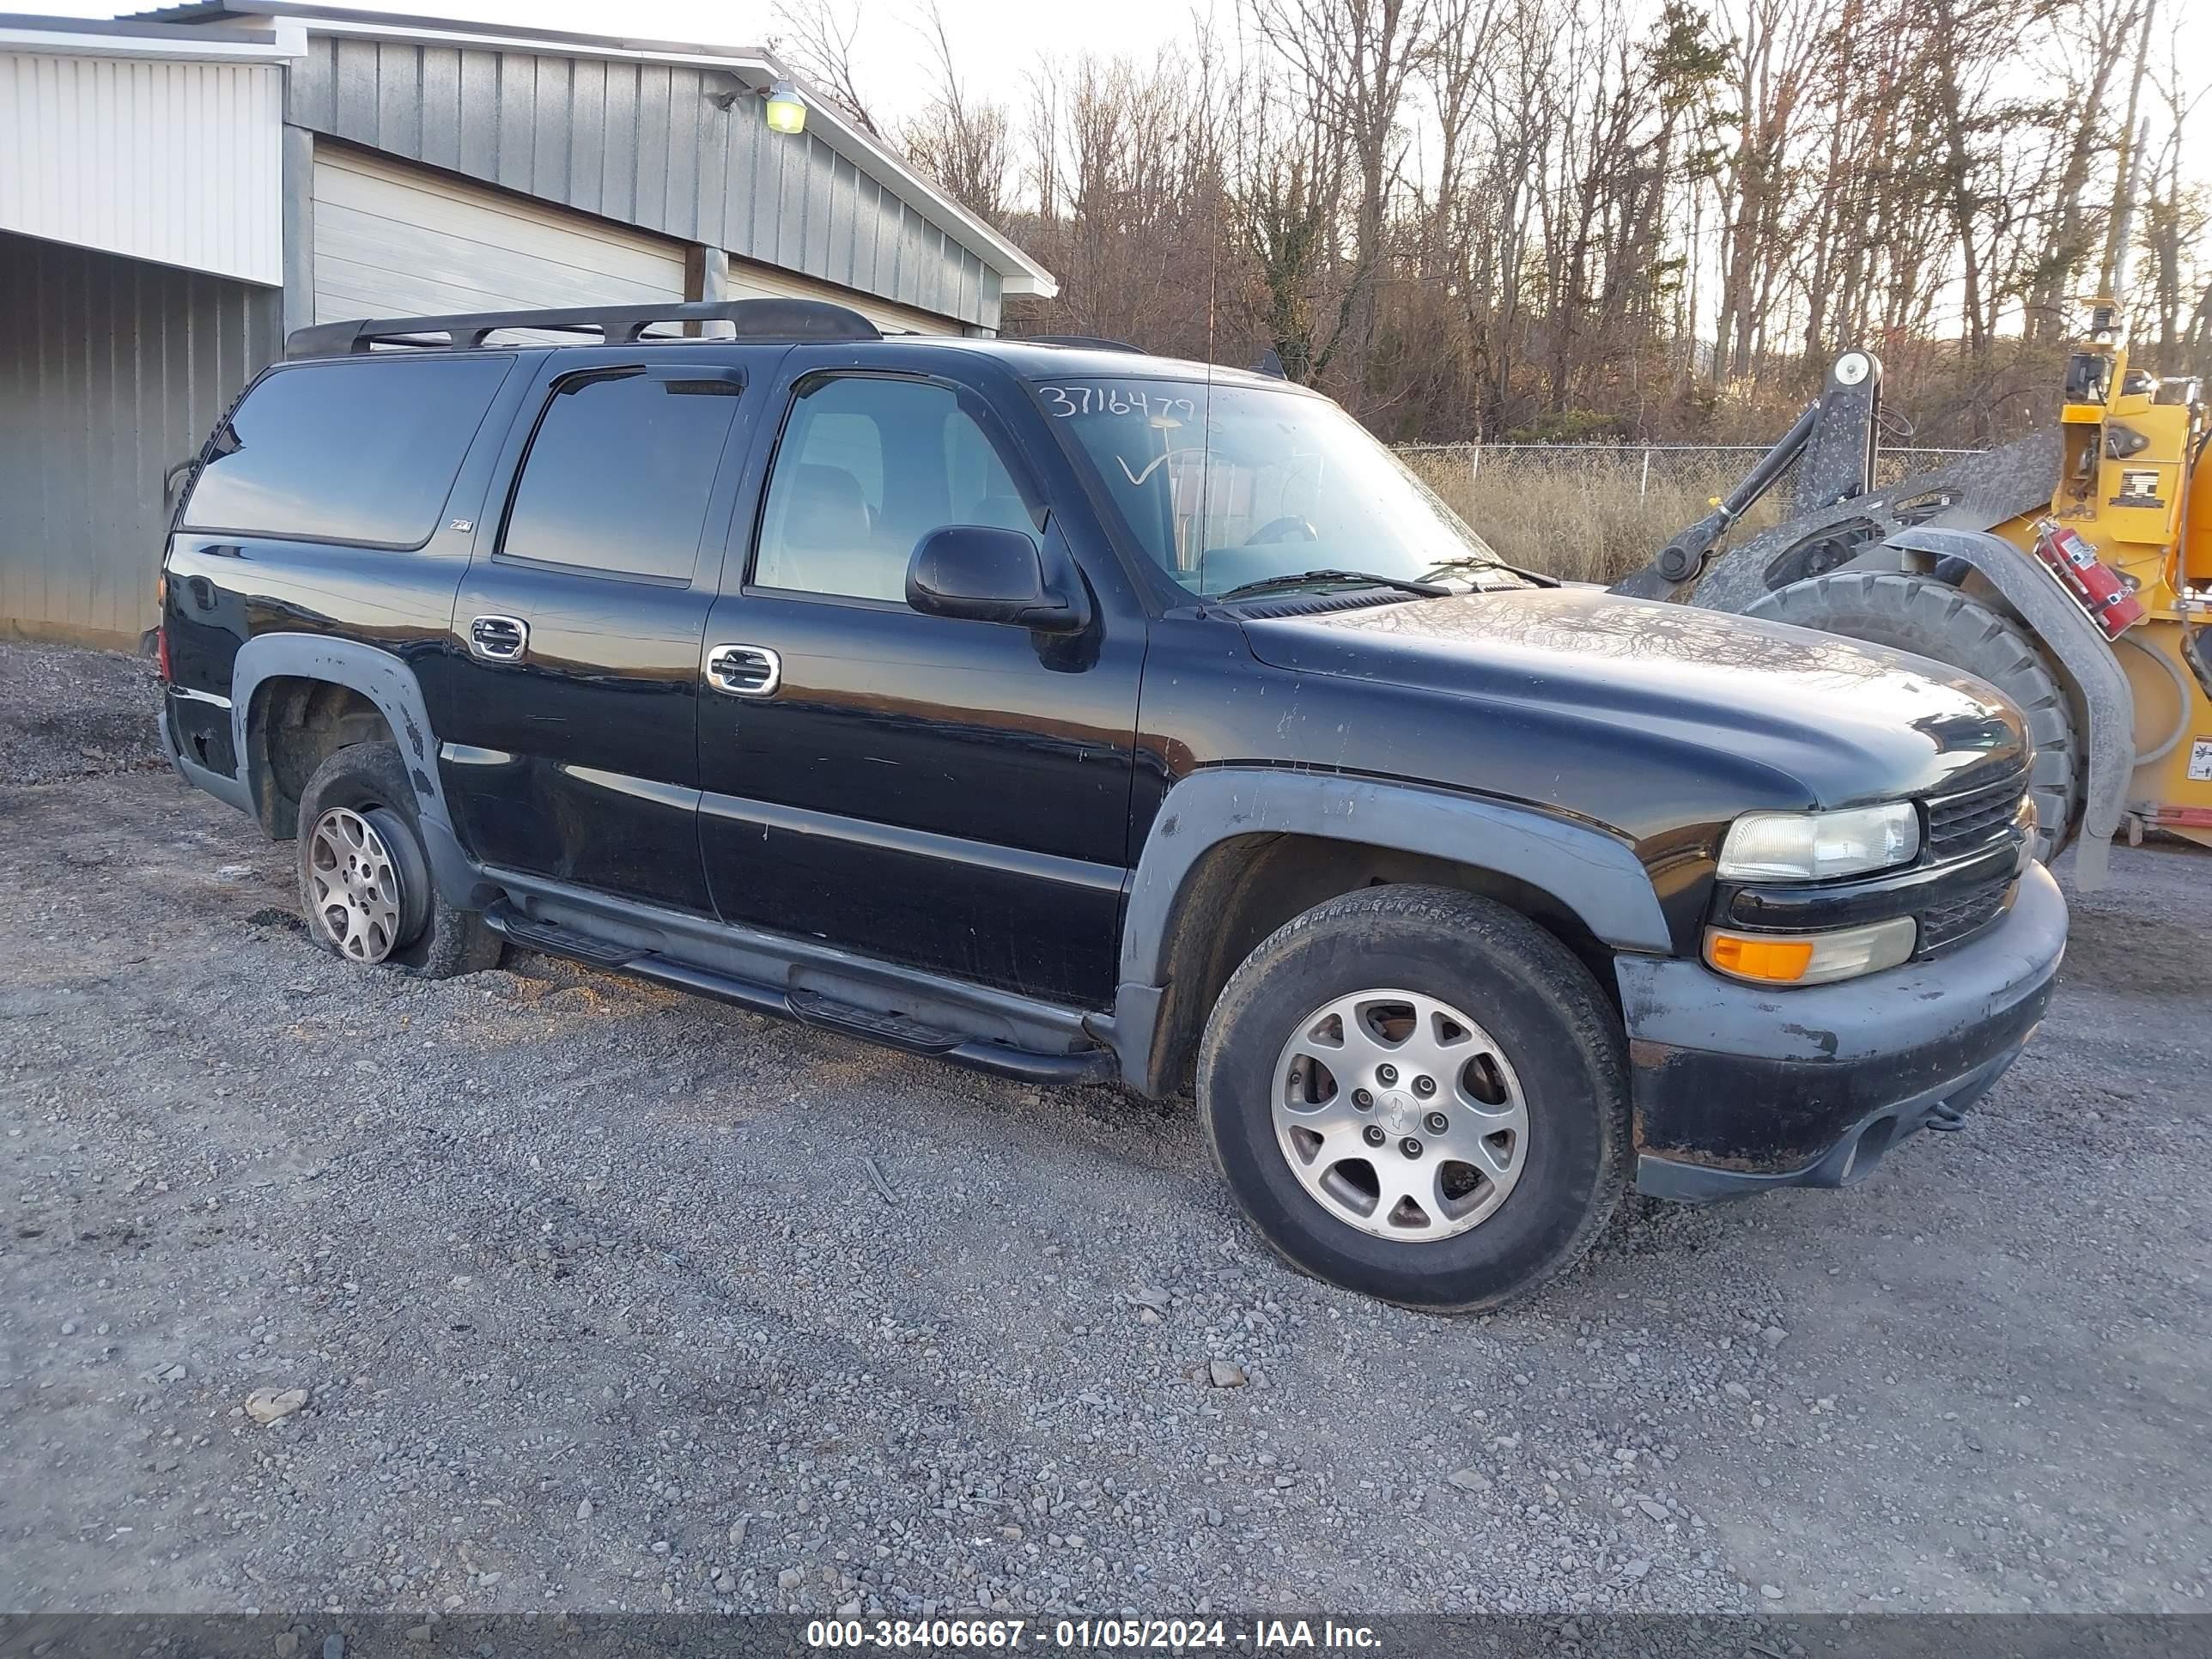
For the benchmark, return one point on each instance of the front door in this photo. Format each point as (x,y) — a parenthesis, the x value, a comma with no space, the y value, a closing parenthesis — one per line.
(948,794)
(571,705)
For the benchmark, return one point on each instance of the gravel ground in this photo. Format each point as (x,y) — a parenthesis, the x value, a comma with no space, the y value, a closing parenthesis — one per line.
(596,1300)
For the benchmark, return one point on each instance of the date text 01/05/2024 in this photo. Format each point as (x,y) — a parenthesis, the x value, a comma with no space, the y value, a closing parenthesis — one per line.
(1163,1635)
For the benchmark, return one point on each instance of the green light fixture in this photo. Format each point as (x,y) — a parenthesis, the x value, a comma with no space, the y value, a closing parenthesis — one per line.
(787,110)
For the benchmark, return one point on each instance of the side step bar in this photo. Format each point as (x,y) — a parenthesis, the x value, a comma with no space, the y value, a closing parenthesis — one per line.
(806,1008)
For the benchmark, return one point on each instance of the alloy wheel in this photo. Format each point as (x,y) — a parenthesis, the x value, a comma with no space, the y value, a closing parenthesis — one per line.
(357,895)
(1399,1115)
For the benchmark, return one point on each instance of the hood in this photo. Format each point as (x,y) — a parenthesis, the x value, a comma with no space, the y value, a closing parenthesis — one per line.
(1847,723)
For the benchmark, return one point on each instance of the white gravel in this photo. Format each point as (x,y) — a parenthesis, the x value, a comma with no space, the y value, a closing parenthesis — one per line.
(596,1304)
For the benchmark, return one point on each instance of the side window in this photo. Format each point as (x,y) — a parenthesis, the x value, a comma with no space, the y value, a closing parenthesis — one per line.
(868,466)
(364,451)
(619,473)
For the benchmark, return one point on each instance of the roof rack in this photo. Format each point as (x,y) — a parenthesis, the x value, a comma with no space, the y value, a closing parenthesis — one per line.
(1082,342)
(620,324)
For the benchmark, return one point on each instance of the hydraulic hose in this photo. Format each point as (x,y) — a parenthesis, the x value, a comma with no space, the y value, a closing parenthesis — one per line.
(2182,689)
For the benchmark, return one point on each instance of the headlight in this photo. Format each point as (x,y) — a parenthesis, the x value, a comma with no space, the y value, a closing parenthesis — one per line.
(1815,846)
(1812,958)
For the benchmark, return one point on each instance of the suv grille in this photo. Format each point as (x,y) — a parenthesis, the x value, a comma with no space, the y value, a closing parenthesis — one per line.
(1954,917)
(1974,817)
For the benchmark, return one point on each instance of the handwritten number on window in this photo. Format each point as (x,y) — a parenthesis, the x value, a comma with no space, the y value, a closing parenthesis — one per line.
(1066,402)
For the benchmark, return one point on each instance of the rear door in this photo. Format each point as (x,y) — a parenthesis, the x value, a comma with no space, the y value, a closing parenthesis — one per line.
(574,667)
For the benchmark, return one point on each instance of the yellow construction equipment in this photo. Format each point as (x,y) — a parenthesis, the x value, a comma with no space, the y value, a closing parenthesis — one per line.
(2073,569)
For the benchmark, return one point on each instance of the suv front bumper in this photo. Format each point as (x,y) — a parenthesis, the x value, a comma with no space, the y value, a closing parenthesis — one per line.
(1737,1088)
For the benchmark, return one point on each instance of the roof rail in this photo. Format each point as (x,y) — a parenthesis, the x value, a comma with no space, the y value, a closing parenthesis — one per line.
(1083,342)
(616,325)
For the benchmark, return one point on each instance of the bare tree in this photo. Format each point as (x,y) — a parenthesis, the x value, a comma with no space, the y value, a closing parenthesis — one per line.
(963,143)
(1352,62)
(818,38)
(1553,218)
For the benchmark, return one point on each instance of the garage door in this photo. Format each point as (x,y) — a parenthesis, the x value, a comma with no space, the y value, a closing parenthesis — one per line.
(395,240)
(749,280)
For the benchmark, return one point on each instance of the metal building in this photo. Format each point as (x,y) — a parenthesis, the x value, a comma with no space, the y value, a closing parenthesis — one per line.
(180,189)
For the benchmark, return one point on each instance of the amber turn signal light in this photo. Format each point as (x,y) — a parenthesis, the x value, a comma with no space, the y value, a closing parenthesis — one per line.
(1784,961)
(1812,958)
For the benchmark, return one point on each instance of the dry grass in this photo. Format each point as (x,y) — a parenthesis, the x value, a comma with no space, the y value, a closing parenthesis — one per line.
(1583,517)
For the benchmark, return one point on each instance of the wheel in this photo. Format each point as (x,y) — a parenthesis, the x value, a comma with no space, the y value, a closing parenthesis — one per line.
(1418,1095)
(365,886)
(1935,619)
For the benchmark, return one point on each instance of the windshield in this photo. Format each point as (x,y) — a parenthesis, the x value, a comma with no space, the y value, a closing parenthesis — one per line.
(1227,485)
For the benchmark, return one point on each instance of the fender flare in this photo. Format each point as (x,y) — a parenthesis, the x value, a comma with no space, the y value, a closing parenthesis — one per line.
(2083,658)
(1596,875)
(390,684)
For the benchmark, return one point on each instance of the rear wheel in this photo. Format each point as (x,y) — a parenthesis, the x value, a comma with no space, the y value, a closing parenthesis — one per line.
(1932,618)
(1420,1095)
(365,885)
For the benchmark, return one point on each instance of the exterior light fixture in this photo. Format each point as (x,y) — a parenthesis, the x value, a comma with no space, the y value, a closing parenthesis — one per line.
(787,110)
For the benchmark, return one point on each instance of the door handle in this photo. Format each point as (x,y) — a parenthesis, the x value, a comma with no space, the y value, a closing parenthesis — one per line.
(744,670)
(499,639)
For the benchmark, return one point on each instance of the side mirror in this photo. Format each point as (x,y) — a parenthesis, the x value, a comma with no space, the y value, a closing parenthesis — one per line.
(982,573)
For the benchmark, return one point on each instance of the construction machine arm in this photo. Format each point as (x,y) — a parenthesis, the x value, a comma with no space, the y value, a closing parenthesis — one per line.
(1683,559)
(1833,438)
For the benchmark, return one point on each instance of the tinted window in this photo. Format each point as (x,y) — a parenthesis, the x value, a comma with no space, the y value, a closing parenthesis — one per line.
(619,473)
(866,468)
(356,452)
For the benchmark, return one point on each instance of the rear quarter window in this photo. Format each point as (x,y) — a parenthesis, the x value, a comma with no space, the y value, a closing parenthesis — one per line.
(363,452)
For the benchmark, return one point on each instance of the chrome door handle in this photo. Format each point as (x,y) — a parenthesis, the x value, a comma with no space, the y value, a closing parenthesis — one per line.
(744,670)
(499,639)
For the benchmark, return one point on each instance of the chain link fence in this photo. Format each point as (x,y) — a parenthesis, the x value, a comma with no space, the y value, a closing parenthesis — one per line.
(1596,512)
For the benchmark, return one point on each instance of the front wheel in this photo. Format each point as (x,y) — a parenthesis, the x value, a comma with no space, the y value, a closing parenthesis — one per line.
(1420,1095)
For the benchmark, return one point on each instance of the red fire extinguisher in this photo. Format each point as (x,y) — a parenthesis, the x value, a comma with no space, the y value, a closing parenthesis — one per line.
(2110,603)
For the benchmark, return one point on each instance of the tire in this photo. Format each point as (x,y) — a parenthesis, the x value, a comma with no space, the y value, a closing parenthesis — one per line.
(357,811)
(1932,618)
(1545,1043)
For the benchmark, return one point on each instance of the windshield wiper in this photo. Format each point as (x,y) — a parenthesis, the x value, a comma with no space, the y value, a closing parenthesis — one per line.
(1309,578)
(1471,563)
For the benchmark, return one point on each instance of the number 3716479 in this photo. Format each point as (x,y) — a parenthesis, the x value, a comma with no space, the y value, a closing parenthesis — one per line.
(1066,402)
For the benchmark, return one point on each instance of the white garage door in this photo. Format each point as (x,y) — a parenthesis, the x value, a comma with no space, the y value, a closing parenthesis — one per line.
(395,240)
(749,280)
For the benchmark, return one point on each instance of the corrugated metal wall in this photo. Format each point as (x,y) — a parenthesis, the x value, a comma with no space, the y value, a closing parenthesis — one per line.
(175,161)
(642,143)
(111,369)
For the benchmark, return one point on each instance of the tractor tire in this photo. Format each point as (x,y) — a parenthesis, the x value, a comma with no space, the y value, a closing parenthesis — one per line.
(1932,618)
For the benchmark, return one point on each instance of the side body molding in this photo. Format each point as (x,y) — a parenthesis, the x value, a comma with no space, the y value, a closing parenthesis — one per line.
(1596,875)
(386,680)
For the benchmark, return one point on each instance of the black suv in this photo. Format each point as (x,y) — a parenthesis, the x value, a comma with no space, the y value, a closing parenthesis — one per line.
(1081,715)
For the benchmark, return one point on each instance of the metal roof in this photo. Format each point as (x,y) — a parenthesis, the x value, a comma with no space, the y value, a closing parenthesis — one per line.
(1017,271)
(102,37)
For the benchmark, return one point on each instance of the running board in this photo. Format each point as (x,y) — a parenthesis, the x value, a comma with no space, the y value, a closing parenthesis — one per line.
(806,1008)
(553,939)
